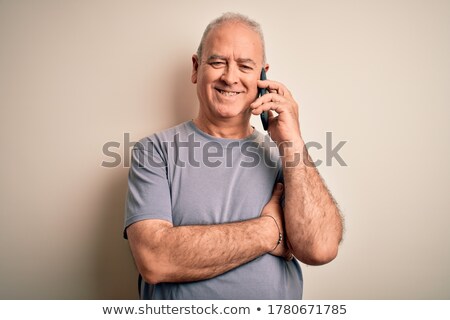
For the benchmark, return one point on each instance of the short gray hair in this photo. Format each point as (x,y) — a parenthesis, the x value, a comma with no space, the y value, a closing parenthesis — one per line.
(232,17)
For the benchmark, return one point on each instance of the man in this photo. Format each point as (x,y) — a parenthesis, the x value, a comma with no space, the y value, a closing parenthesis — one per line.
(205,216)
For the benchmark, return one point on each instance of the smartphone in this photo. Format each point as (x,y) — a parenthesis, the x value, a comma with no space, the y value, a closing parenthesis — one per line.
(263,91)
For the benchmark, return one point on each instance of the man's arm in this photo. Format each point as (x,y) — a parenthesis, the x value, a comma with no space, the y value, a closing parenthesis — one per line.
(164,253)
(312,220)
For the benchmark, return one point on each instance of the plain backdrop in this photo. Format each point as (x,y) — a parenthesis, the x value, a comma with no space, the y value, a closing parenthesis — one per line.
(76,75)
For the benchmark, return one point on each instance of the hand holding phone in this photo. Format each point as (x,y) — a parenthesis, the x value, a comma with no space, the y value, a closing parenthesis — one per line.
(262,91)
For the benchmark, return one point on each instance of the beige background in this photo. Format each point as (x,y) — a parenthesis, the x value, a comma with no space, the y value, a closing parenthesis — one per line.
(77,74)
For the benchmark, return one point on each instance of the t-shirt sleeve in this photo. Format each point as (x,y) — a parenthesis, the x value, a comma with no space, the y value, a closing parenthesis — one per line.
(148,195)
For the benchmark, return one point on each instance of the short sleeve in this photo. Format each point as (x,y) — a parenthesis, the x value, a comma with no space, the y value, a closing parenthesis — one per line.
(148,195)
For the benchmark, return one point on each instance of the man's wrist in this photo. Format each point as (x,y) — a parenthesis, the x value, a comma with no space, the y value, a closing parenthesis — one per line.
(293,153)
(279,239)
(290,147)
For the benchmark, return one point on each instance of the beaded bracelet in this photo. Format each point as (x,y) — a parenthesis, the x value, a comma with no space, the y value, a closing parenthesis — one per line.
(280,235)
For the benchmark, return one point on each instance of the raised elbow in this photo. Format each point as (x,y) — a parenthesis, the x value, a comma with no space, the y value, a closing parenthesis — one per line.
(317,255)
(151,276)
(150,256)
(152,268)
(154,272)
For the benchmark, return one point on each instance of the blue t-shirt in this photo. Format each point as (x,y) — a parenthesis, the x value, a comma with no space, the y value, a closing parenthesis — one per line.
(188,177)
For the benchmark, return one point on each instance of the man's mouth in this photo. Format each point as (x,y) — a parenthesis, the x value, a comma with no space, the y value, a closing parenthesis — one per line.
(228,93)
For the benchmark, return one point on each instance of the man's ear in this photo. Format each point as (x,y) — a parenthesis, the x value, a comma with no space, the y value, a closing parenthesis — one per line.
(266,67)
(195,64)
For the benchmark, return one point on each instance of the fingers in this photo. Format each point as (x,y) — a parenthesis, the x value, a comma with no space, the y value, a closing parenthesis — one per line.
(270,115)
(270,101)
(277,192)
(289,256)
(273,207)
(286,252)
(274,87)
(279,99)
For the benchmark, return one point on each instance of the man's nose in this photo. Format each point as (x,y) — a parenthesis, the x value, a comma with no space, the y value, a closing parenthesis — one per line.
(230,75)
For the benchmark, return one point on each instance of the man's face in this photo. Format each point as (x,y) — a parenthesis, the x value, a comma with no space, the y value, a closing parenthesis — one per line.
(226,76)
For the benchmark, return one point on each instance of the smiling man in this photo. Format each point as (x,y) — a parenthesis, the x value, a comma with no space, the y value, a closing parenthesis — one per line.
(214,209)
(225,69)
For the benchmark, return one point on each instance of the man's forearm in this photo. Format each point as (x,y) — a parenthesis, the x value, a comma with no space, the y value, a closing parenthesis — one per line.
(312,220)
(191,253)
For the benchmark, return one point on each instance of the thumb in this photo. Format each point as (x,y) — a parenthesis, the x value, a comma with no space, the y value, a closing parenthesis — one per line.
(277,191)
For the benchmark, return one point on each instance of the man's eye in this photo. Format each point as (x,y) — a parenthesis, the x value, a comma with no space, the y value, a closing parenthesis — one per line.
(246,68)
(217,64)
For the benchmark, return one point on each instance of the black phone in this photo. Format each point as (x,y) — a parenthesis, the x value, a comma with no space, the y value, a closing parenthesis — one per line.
(263,91)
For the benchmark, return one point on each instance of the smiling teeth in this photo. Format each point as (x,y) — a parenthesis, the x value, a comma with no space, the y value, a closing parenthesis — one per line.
(228,93)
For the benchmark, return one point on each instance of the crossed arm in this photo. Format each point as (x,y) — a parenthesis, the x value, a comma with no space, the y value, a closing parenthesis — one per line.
(312,222)
(164,253)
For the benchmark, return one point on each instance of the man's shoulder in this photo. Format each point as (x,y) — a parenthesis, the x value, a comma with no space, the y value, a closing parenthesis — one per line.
(166,135)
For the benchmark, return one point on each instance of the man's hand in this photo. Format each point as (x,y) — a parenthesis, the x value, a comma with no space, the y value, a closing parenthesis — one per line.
(312,219)
(285,126)
(273,210)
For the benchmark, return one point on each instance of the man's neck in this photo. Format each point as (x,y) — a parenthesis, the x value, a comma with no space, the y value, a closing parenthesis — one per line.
(228,128)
